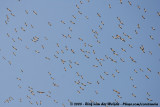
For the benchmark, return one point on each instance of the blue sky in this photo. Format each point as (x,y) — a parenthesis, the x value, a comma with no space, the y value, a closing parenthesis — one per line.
(36,66)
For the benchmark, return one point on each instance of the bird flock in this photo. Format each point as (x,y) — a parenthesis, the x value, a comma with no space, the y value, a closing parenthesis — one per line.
(109,54)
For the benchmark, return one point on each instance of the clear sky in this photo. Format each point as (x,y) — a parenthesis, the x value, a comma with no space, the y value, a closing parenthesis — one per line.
(61,48)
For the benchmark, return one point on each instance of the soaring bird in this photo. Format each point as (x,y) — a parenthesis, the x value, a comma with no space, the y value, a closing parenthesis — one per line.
(70,29)
(41,92)
(149,99)
(109,5)
(113,75)
(101,77)
(23,29)
(49,23)
(63,22)
(79,12)
(96,92)
(82,83)
(74,16)
(143,17)
(142,48)
(37,51)
(35,12)
(77,6)
(153,28)
(123,50)
(65,69)
(129,3)
(149,69)
(81,88)
(133,95)
(14,48)
(86,17)
(116,91)
(47,58)
(117,71)
(26,11)
(72,51)
(146,76)
(138,26)
(72,22)
(89,82)
(106,73)
(145,10)
(98,14)
(138,7)
(130,46)
(134,86)
(95,65)
(151,37)
(78,91)
(148,94)
(81,2)
(131,78)
(121,1)
(26,24)
(9,10)
(119,96)
(102,22)
(98,82)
